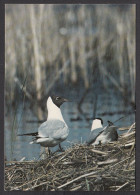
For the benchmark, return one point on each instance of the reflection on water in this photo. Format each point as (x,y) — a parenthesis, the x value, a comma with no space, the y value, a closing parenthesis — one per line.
(19,147)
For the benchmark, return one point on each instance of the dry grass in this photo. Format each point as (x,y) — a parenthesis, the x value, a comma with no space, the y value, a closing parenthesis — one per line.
(109,167)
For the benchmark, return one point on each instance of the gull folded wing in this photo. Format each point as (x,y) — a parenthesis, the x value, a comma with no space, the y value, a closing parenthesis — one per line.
(93,135)
(55,129)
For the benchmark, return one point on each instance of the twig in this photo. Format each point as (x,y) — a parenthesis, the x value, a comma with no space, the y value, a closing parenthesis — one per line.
(76,188)
(124,128)
(119,162)
(131,127)
(132,163)
(122,186)
(107,162)
(18,187)
(127,134)
(32,187)
(80,177)
(99,152)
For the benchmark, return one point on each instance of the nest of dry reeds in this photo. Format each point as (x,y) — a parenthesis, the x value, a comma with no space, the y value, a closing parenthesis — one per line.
(108,167)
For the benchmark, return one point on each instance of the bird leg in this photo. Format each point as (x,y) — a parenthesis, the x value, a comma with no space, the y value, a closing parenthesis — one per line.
(49,151)
(46,152)
(61,149)
(41,155)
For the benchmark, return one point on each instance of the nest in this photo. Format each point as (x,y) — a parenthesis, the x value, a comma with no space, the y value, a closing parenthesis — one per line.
(108,167)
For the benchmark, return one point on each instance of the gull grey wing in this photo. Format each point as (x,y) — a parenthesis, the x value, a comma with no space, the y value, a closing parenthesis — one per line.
(111,133)
(93,135)
(109,129)
(61,133)
(53,128)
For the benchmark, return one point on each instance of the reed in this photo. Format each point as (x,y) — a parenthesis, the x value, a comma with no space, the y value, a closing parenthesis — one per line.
(45,37)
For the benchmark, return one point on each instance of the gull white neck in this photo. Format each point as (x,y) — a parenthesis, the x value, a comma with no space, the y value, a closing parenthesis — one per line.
(96,124)
(53,111)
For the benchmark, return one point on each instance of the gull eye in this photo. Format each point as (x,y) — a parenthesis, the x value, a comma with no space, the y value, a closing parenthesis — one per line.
(57,98)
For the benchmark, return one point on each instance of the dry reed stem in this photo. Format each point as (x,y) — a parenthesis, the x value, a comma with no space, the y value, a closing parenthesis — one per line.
(35,40)
(122,186)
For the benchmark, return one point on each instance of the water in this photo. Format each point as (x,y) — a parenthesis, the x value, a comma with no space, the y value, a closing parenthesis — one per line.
(17,147)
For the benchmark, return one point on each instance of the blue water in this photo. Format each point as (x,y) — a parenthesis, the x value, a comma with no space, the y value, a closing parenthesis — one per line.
(17,147)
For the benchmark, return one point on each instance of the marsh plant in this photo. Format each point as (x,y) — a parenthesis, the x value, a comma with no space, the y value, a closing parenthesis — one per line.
(72,43)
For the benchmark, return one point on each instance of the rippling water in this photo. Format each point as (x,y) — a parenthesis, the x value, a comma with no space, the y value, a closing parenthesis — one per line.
(108,107)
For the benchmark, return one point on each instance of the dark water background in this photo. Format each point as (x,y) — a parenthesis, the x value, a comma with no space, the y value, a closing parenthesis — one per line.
(109,106)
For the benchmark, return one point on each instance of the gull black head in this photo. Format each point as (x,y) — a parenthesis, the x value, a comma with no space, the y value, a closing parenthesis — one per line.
(58,101)
(100,120)
(110,123)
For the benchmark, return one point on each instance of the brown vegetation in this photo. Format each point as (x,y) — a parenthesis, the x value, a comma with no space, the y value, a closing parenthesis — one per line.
(109,167)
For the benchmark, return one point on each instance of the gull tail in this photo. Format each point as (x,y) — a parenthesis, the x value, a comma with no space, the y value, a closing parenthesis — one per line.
(29,134)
